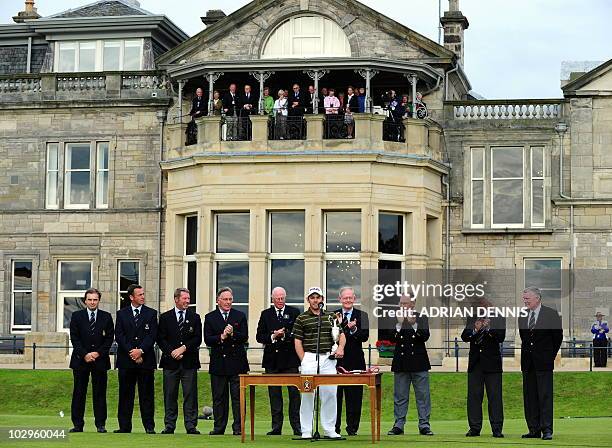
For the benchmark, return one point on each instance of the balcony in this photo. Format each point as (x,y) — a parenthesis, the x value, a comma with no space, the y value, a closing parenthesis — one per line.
(372,132)
(28,88)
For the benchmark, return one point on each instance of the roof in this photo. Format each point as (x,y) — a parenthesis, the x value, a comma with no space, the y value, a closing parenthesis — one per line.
(103,8)
(588,77)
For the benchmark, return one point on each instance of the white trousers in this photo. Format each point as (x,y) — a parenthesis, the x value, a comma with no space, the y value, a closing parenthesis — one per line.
(327,395)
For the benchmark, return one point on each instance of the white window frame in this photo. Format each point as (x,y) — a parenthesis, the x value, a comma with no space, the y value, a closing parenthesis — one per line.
(20,329)
(61,294)
(480,179)
(99,54)
(283,255)
(67,183)
(100,174)
(50,173)
(190,258)
(541,178)
(522,179)
(395,257)
(119,290)
(339,256)
(238,256)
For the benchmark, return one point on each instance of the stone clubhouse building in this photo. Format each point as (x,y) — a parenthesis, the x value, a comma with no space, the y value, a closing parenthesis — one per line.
(104,182)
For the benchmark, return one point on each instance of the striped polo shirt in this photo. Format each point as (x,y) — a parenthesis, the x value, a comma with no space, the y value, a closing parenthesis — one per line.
(305,329)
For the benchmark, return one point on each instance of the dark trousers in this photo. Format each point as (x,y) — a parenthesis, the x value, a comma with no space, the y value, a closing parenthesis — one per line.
(222,386)
(477,382)
(276,403)
(188,379)
(600,352)
(128,378)
(354,398)
(538,401)
(79,394)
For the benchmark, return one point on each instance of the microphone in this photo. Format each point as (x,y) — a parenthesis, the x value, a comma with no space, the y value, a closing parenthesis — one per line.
(321,305)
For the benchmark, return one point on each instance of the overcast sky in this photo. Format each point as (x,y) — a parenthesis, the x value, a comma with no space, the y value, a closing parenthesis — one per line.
(513,49)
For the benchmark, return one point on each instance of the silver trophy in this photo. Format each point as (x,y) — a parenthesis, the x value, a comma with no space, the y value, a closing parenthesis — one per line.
(335,332)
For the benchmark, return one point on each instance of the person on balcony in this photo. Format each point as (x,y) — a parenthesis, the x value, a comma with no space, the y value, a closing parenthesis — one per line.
(361,98)
(248,107)
(332,105)
(342,100)
(198,105)
(268,101)
(322,96)
(352,106)
(280,115)
(312,94)
(297,102)
(231,108)
(217,106)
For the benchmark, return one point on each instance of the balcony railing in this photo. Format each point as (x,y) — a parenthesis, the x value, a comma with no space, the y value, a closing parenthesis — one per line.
(19,84)
(394,130)
(236,129)
(506,109)
(81,83)
(339,127)
(282,127)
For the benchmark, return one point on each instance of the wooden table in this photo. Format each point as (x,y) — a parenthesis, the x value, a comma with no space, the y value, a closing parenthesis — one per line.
(308,384)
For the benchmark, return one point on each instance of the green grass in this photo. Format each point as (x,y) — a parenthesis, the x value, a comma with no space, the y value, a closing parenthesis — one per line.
(33,399)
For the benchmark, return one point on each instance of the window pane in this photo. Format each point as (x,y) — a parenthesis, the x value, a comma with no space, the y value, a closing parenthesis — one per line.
(290,275)
(343,232)
(67,55)
(537,199)
(390,233)
(507,162)
(22,275)
(72,304)
(341,273)
(545,274)
(111,55)
(552,298)
(537,162)
(287,232)
(477,165)
(191,235)
(508,202)
(77,156)
(22,308)
(102,189)
(131,55)
(192,273)
(52,175)
(102,156)
(234,274)
(242,308)
(233,233)
(78,186)
(128,275)
(477,202)
(389,272)
(75,276)
(52,153)
(87,56)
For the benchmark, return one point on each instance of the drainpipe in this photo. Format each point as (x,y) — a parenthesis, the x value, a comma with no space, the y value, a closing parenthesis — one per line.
(446,82)
(446,184)
(161,118)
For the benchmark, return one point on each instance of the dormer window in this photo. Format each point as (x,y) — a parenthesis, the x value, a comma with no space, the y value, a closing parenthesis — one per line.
(99,55)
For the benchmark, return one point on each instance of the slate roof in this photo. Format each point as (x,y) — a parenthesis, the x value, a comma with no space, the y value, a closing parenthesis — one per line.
(102,8)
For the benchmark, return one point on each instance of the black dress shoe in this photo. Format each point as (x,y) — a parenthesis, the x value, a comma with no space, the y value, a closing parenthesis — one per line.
(547,436)
(215,433)
(531,435)
(167,431)
(395,431)
(426,432)
(193,431)
(76,430)
(498,435)
(101,429)
(237,433)
(274,432)
(150,431)
(122,431)
(351,433)
(472,433)
(297,433)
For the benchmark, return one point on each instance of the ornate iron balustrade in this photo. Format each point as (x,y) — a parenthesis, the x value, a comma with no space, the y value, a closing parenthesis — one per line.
(19,84)
(236,128)
(336,127)
(507,110)
(281,127)
(81,82)
(394,130)
(142,81)
(191,134)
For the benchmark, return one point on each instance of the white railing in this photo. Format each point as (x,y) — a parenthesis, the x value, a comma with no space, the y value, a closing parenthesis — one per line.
(140,82)
(11,85)
(72,83)
(507,111)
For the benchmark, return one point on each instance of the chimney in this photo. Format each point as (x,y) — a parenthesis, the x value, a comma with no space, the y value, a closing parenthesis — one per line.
(28,13)
(212,16)
(454,23)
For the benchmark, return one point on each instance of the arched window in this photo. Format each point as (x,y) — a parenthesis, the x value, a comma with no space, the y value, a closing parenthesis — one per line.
(307,37)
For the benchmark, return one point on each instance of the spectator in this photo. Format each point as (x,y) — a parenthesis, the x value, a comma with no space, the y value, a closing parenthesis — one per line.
(268,101)
(341,99)
(280,115)
(600,340)
(297,102)
(198,105)
(352,105)
(362,100)
(231,102)
(331,103)
(217,103)
(312,108)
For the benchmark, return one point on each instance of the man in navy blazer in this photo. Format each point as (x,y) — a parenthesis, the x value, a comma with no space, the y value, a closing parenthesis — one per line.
(91,334)
(355,326)
(135,333)
(274,331)
(179,336)
(541,335)
(226,333)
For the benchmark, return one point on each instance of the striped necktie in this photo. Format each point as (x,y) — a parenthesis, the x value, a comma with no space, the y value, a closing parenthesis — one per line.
(136,316)
(180,321)
(532,321)
(92,322)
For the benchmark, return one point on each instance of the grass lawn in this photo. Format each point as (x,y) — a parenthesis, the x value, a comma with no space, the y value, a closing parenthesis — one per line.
(34,399)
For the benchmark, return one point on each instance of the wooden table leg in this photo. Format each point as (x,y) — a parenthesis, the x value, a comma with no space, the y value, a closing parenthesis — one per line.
(379,409)
(252,409)
(242,411)
(373,412)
